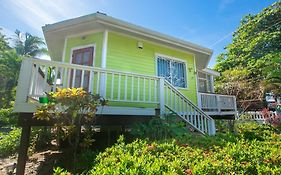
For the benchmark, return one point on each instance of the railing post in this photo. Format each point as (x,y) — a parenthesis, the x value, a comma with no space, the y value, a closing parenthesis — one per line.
(24,80)
(235,105)
(199,101)
(161,96)
(218,104)
(102,85)
(212,127)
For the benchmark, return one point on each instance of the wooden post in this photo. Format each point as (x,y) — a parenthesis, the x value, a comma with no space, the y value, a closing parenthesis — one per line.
(24,144)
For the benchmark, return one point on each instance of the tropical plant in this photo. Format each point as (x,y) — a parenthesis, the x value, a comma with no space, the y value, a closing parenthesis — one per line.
(29,45)
(68,108)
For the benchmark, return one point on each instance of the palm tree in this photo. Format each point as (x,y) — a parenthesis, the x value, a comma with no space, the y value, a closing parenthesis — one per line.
(29,45)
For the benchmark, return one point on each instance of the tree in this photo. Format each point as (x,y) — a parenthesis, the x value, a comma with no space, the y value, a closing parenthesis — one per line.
(248,62)
(3,42)
(9,72)
(29,45)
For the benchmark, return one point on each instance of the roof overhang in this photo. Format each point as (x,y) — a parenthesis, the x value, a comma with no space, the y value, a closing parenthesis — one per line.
(211,72)
(55,35)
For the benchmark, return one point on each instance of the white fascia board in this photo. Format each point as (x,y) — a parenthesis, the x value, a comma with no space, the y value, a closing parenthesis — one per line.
(211,71)
(110,21)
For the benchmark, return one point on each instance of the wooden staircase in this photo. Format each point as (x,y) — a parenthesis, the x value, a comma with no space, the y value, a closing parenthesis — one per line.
(176,102)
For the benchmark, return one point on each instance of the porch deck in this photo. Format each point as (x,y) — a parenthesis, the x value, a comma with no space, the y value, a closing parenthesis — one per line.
(133,92)
(217,104)
(128,93)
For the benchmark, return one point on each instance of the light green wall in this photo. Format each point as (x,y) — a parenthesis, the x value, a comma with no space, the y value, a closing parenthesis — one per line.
(123,54)
(95,38)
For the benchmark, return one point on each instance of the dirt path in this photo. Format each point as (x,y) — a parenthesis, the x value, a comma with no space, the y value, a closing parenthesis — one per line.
(40,163)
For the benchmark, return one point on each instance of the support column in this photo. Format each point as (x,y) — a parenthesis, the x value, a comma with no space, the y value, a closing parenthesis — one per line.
(24,144)
(103,65)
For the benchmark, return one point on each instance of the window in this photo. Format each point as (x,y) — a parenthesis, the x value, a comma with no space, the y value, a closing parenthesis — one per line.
(173,71)
(205,82)
(84,57)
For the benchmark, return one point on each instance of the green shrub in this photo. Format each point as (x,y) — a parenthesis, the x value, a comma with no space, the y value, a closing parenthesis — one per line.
(142,157)
(60,171)
(9,142)
(160,128)
(7,117)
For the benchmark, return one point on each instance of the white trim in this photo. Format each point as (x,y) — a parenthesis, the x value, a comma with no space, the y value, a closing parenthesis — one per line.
(170,57)
(173,59)
(82,47)
(110,21)
(104,49)
(210,71)
(114,110)
(103,64)
(196,84)
(64,49)
(105,110)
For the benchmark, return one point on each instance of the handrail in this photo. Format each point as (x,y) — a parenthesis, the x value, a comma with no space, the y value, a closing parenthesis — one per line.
(187,110)
(88,68)
(213,94)
(111,84)
(189,101)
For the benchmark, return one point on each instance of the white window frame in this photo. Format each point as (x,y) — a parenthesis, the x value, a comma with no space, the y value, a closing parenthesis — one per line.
(173,59)
(83,47)
(207,82)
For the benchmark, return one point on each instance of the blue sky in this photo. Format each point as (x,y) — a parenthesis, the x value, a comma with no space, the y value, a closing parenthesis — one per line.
(209,23)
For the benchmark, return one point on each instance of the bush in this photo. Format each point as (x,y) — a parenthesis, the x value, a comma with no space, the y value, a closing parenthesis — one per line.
(7,117)
(221,154)
(141,157)
(160,128)
(9,142)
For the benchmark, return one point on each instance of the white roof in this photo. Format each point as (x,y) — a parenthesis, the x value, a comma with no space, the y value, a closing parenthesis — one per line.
(56,33)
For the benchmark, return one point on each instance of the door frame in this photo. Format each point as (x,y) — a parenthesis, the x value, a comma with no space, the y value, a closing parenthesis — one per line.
(83,47)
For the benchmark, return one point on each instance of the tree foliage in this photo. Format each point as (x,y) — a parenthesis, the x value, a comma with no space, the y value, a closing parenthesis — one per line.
(29,45)
(251,64)
(9,72)
(10,62)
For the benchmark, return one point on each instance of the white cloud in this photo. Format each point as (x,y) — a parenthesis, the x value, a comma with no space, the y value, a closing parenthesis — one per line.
(36,13)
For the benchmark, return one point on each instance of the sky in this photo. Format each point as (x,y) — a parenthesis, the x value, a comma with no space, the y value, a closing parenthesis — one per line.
(209,23)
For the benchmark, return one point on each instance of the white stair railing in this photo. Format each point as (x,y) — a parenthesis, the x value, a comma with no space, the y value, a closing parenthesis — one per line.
(176,102)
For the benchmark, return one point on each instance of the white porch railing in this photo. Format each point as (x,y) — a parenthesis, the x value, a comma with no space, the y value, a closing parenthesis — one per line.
(110,84)
(40,76)
(257,116)
(217,104)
